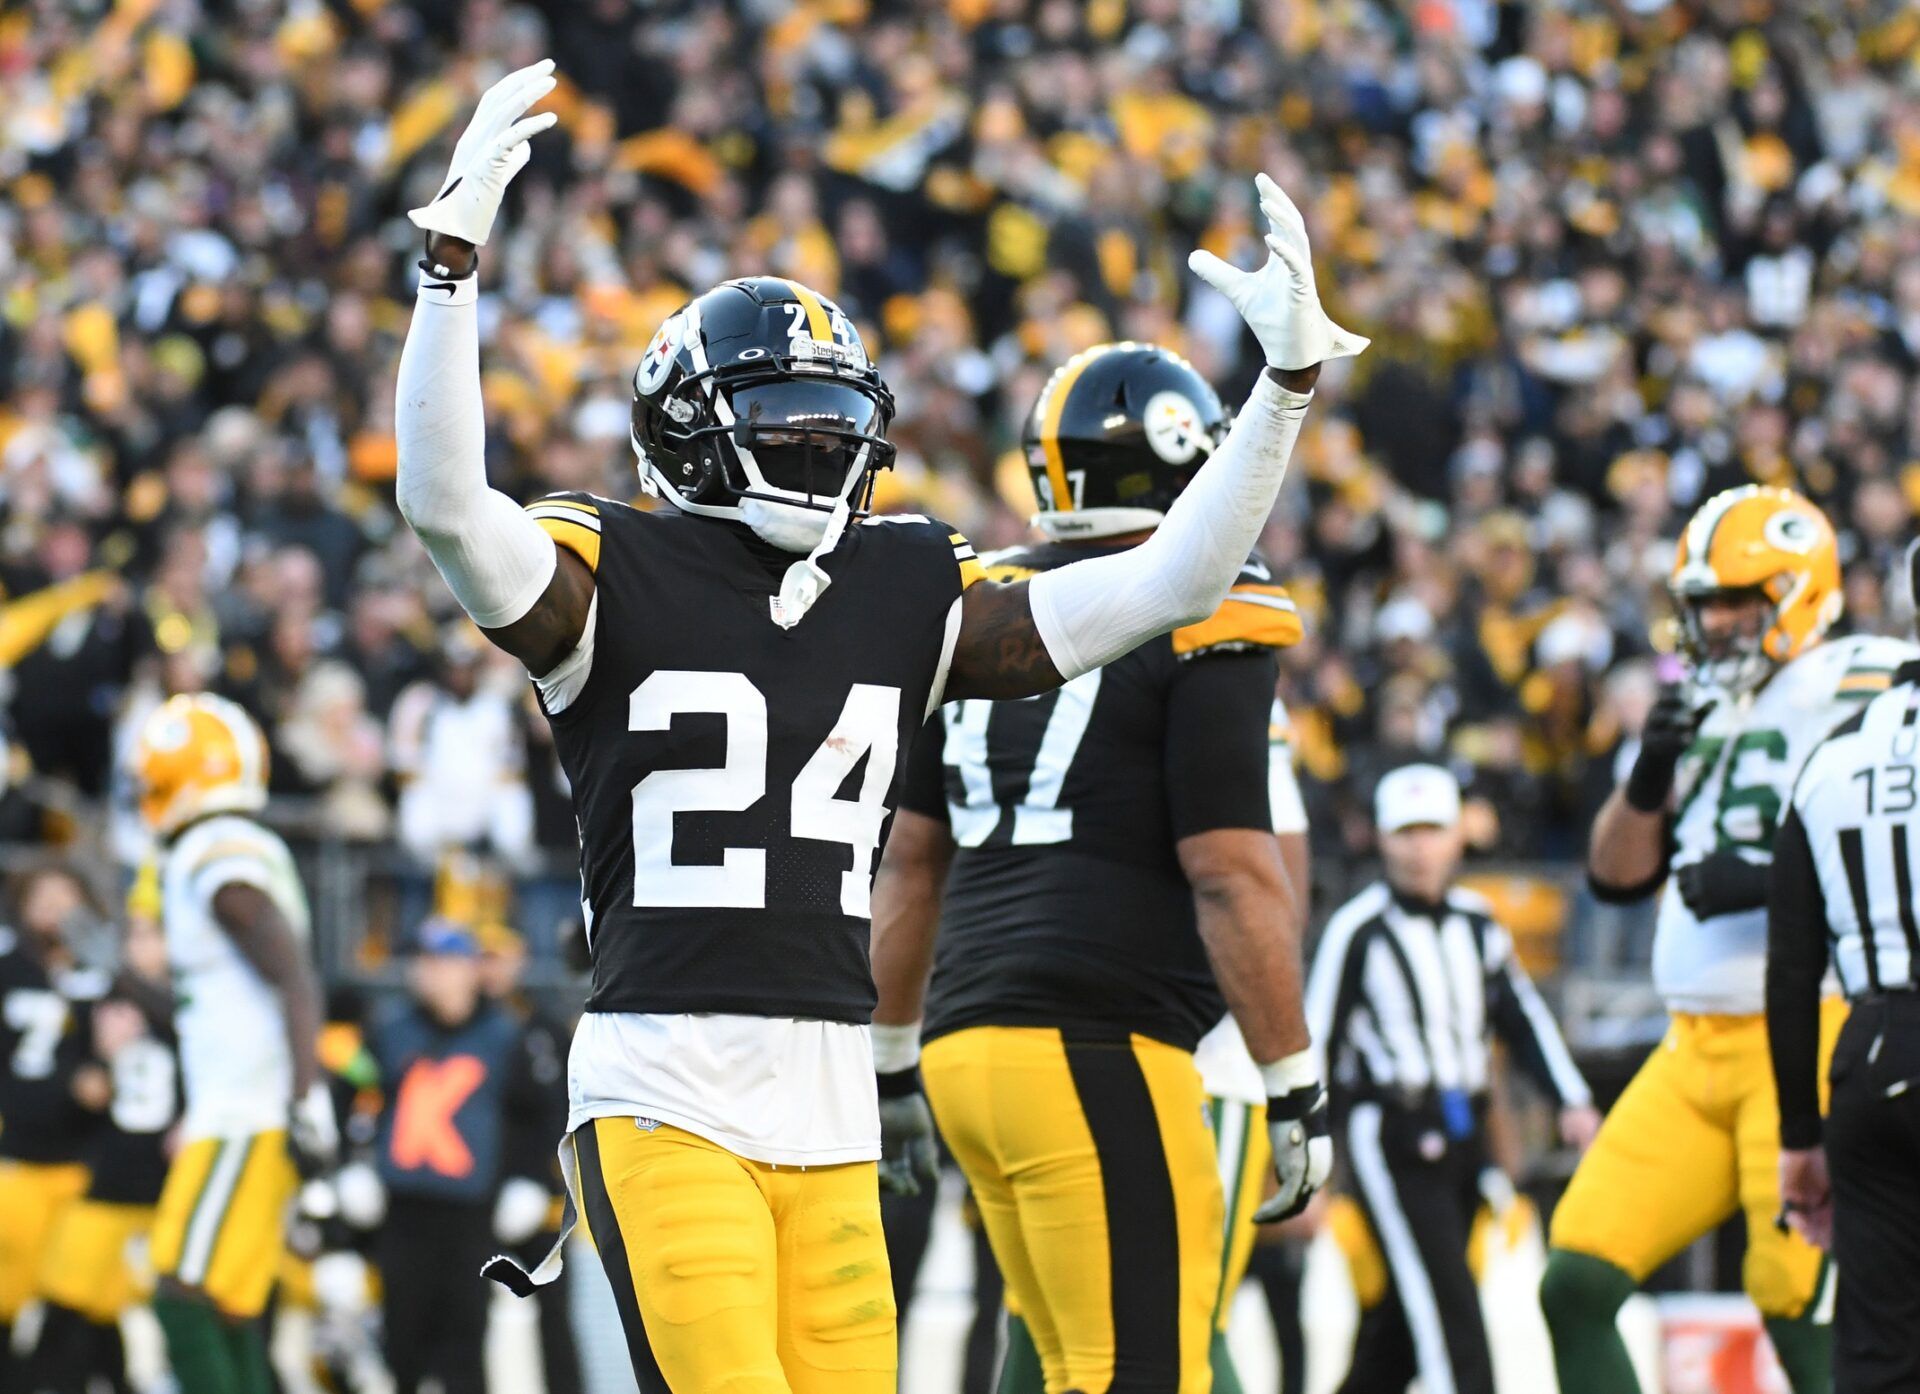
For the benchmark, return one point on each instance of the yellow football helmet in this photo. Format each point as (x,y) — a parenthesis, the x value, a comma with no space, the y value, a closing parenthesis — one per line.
(1761,540)
(198,754)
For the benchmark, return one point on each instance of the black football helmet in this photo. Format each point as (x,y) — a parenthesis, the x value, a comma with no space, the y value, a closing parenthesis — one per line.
(1114,437)
(760,390)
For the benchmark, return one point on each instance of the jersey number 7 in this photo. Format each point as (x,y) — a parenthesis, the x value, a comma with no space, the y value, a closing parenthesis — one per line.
(869,725)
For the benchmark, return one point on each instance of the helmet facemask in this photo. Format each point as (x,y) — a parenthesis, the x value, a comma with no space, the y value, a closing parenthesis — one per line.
(787,445)
(1737,663)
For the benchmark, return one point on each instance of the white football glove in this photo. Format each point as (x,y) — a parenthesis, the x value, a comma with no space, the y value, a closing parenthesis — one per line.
(491,151)
(1279,301)
(313,1134)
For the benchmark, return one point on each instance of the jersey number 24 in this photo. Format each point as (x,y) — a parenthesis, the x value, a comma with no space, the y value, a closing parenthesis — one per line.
(869,725)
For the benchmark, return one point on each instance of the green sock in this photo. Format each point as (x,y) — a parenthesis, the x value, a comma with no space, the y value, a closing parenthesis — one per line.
(247,1342)
(1581,1297)
(1805,1348)
(1226,1379)
(1021,1373)
(197,1346)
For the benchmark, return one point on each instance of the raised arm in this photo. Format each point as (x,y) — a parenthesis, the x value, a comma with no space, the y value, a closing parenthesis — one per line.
(1627,856)
(529,597)
(1019,639)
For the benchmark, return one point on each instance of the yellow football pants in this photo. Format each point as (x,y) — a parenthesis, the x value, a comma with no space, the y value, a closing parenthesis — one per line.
(222,1222)
(1246,1161)
(1695,1137)
(734,1276)
(91,1265)
(1097,1180)
(32,1196)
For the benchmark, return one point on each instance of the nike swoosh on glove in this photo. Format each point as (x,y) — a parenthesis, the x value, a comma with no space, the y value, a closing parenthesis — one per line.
(490,152)
(1280,302)
(908,1158)
(1302,1151)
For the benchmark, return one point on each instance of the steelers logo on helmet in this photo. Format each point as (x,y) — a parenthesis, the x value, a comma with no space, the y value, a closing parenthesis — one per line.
(657,362)
(1172,425)
(775,417)
(1115,435)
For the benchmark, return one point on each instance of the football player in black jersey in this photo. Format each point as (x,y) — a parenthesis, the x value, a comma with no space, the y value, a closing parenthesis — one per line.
(45,996)
(734,681)
(88,1277)
(1110,873)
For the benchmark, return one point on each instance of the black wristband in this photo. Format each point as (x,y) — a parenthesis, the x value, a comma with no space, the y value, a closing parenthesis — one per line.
(1799,1133)
(897,1084)
(1649,782)
(434,268)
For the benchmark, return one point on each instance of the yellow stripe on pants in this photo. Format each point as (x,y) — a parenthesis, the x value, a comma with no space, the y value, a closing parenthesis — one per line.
(1096,1178)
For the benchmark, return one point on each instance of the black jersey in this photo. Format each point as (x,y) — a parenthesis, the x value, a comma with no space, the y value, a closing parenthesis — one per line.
(127,1153)
(1066,905)
(733,779)
(43,1040)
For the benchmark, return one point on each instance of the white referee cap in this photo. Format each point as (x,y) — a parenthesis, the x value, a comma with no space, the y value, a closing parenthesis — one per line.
(1416,795)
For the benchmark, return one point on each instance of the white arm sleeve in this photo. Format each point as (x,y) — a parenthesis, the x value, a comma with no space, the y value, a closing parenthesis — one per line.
(496,559)
(1093,611)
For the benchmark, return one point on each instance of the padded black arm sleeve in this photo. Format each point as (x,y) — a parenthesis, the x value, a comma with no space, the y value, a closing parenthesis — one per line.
(1218,710)
(1796,962)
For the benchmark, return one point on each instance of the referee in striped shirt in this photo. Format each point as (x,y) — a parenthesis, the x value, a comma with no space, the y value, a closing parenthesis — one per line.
(1844,894)
(1412,980)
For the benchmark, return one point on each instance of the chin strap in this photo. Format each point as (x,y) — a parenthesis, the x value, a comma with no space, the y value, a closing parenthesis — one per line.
(805,579)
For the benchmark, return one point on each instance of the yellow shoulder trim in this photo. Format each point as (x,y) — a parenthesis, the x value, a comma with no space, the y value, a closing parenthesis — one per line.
(1251,616)
(969,562)
(573,525)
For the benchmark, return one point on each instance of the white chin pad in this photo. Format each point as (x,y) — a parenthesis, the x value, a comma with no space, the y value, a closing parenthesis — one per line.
(787,526)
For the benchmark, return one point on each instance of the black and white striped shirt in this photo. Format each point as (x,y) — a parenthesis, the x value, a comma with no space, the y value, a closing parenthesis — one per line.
(1404,1000)
(1844,887)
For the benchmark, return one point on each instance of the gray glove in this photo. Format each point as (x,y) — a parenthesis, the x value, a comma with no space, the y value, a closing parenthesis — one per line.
(908,1158)
(1302,1151)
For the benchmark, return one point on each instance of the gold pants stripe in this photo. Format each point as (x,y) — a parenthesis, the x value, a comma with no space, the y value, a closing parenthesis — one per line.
(734,1276)
(1094,1169)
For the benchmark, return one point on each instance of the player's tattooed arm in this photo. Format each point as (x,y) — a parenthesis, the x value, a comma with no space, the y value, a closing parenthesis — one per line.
(551,630)
(999,652)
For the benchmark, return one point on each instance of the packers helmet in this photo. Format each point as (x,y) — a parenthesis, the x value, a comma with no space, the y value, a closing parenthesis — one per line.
(198,754)
(1115,435)
(757,402)
(1763,541)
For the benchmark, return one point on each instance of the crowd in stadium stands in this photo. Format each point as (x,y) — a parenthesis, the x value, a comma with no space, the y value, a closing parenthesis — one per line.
(1614,255)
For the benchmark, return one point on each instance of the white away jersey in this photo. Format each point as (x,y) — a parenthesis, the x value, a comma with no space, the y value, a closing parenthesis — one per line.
(1731,791)
(233,1037)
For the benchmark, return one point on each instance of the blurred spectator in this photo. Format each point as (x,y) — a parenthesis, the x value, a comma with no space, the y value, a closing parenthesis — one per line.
(456,749)
(1613,257)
